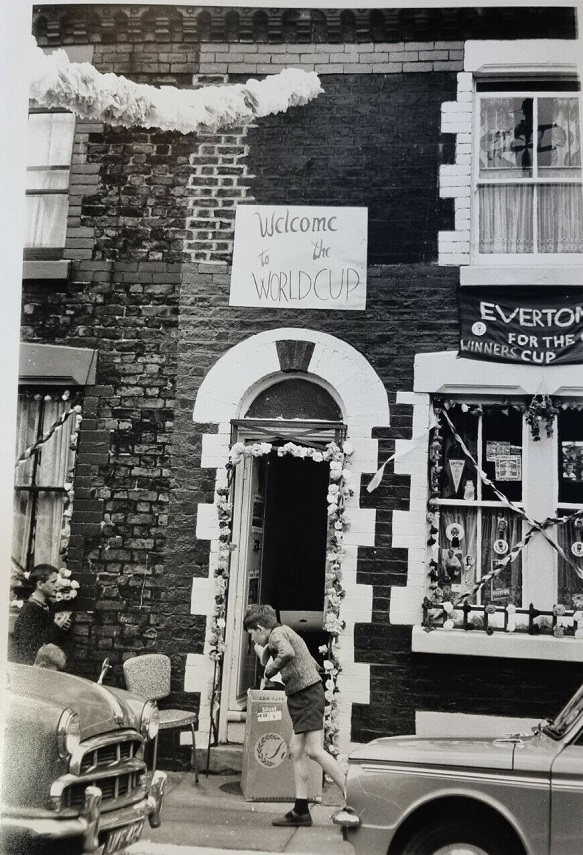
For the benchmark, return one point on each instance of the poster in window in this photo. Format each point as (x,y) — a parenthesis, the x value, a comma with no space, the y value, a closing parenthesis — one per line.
(508,468)
(500,590)
(572,461)
(495,449)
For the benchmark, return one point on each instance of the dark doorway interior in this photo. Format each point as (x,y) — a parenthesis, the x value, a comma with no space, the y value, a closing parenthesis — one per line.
(294,544)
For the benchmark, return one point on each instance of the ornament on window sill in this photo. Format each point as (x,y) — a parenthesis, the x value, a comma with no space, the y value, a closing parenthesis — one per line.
(469,490)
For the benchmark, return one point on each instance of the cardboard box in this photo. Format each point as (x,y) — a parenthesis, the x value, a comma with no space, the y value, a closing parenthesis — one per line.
(268,774)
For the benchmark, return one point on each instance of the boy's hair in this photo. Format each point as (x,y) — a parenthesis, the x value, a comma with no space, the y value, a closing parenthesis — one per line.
(257,615)
(40,573)
(51,656)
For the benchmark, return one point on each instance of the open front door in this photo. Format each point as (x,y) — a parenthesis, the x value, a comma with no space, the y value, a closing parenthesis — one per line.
(280,531)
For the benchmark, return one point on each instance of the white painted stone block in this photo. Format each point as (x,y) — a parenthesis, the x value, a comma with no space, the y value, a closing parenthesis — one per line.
(207,522)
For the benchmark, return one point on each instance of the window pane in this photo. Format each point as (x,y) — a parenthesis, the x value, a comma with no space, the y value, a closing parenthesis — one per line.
(458,554)
(46,220)
(53,458)
(22,522)
(457,469)
(570,438)
(560,218)
(505,218)
(501,531)
(27,428)
(502,453)
(559,141)
(50,139)
(570,539)
(506,137)
(47,528)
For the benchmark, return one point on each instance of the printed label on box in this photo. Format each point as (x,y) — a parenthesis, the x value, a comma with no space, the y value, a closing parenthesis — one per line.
(275,715)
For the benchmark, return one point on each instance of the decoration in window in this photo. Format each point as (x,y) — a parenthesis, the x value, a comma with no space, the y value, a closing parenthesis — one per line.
(339,490)
(453,530)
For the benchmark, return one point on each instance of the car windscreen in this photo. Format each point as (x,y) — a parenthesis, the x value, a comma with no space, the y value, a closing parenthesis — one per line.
(567,717)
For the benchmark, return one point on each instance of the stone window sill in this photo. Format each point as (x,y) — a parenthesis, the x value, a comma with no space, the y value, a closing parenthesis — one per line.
(502,645)
(524,274)
(45,269)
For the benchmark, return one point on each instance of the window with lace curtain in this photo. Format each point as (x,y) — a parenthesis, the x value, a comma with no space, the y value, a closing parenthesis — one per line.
(529,179)
(50,147)
(41,487)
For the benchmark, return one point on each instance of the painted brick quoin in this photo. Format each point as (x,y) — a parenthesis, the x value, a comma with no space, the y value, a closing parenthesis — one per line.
(148,288)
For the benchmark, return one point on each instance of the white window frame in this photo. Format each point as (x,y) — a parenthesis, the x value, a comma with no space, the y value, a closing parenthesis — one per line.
(34,249)
(444,374)
(519,258)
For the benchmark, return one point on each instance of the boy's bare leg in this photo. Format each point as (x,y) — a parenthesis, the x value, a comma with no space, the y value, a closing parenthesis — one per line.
(314,749)
(298,755)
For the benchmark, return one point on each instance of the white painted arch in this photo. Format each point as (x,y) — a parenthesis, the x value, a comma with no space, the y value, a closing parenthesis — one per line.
(225,393)
(342,369)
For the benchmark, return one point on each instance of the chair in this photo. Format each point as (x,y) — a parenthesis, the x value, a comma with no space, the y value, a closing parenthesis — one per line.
(149,676)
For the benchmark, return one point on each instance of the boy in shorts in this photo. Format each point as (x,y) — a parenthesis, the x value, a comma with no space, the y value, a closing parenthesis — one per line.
(305,701)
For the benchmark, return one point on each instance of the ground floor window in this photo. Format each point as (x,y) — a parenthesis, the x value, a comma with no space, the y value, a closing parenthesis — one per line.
(47,425)
(496,470)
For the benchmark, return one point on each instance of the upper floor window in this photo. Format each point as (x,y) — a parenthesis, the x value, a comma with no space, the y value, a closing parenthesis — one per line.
(529,179)
(50,147)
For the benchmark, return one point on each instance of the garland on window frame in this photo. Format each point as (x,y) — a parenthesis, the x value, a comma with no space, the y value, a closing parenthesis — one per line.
(339,490)
(541,408)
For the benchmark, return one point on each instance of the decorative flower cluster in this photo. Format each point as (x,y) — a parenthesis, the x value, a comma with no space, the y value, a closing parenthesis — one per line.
(217,625)
(542,409)
(338,492)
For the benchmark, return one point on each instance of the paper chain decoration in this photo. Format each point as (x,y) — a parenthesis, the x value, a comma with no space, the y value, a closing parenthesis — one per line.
(32,449)
(111,98)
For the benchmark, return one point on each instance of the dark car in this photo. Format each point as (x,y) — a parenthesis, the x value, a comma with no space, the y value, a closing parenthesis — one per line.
(73,766)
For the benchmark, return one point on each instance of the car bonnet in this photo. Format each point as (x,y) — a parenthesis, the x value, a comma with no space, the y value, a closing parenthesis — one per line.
(472,753)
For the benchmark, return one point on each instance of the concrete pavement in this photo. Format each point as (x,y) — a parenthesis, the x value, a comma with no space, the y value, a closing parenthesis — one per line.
(213,818)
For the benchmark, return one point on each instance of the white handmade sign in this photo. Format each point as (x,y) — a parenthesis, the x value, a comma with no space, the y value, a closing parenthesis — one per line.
(302,257)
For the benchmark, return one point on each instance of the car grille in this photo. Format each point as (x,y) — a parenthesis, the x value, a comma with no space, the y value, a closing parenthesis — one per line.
(113,787)
(106,755)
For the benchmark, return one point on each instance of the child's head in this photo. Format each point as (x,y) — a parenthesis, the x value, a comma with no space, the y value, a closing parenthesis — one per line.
(259,620)
(51,656)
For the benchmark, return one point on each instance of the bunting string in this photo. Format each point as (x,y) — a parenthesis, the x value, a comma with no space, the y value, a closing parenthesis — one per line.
(535,526)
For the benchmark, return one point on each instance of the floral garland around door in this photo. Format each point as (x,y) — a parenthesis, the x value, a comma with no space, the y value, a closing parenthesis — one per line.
(339,490)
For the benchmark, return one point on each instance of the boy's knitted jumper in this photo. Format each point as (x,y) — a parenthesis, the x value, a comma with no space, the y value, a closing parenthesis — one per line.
(292,659)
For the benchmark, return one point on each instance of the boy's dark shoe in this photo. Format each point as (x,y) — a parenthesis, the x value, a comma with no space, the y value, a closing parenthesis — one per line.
(294,819)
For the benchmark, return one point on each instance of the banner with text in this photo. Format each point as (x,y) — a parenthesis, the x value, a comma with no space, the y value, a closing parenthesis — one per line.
(302,257)
(538,326)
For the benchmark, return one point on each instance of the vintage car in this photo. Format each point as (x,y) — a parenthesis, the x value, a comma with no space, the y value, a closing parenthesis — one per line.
(74,778)
(516,794)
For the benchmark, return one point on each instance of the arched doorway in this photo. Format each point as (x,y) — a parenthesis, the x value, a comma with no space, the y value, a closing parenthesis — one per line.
(279,524)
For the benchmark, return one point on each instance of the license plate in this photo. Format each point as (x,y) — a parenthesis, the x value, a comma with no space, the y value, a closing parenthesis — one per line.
(122,837)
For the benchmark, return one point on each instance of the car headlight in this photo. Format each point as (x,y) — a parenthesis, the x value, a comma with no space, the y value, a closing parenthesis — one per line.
(68,734)
(150,721)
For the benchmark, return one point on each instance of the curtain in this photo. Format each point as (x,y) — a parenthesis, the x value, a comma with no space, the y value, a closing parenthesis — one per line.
(506,224)
(569,581)
(458,547)
(499,525)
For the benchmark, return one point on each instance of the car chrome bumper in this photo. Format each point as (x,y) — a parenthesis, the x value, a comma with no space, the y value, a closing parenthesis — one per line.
(91,822)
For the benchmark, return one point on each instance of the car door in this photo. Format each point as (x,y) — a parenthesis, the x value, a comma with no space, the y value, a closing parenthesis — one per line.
(567,799)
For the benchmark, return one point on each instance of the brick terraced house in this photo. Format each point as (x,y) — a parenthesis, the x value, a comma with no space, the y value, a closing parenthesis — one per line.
(170,293)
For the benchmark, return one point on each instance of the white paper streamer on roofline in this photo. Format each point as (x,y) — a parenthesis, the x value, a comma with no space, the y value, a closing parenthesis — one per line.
(111,98)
